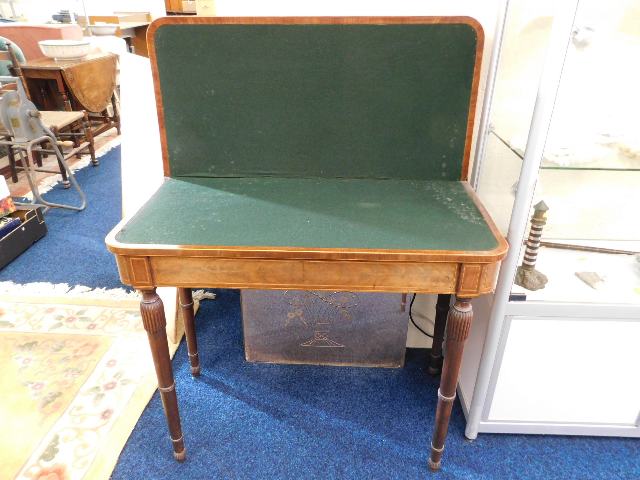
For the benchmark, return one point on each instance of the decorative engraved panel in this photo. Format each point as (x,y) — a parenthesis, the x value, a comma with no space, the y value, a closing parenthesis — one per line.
(324,328)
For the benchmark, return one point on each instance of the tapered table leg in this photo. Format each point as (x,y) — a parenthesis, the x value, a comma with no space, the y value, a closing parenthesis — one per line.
(458,326)
(186,305)
(435,358)
(155,324)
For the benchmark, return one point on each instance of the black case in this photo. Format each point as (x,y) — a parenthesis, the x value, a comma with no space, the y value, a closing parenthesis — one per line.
(17,241)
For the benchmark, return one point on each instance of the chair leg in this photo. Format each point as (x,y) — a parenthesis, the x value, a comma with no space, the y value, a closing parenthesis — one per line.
(37,158)
(12,164)
(65,179)
(88,135)
(63,171)
(186,306)
(77,140)
(435,358)
(155,324)
(458,326)
(116,112)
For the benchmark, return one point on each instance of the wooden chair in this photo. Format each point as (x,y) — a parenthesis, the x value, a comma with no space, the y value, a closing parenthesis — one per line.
(66,126)
(315,154)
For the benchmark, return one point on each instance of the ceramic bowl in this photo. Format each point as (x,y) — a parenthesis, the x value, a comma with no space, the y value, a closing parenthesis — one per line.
(103,29)
(65,49)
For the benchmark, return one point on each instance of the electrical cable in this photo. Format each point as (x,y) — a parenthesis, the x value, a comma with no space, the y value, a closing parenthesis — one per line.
(413,321)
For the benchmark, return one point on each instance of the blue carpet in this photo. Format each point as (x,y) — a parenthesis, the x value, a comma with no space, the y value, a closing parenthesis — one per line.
(259,421)
(75,240)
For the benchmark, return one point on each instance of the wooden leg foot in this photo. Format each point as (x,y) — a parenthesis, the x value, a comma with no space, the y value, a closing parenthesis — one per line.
(155,324)
(186,306)
(182,454)
(458,326)
(435,357)
(434,466)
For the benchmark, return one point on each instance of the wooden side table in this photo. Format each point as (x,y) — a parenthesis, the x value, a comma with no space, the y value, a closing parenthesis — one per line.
(135,33)
(83,84)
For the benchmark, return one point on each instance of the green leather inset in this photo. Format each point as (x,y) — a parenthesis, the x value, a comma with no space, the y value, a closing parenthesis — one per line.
(319,212)
(341,101)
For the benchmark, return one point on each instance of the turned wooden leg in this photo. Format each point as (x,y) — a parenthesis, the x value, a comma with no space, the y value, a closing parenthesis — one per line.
(155,324)
(435,358)
(116,111)
(88,135)
(62,91)
(186,305)
(76,127)
(458,326)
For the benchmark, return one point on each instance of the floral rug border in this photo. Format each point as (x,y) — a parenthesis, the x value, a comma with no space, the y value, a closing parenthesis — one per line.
(86,440)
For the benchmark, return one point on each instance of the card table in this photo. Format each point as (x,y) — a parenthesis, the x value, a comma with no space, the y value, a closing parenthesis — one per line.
(318,154)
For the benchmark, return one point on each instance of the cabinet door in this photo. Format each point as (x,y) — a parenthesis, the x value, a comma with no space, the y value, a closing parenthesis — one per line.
(569,370)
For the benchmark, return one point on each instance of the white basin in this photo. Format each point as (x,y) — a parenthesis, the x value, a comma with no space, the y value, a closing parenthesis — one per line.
(65,49)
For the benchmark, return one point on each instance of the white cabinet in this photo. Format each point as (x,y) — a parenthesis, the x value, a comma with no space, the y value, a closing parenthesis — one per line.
(559,368)
(567,370)
(564,359)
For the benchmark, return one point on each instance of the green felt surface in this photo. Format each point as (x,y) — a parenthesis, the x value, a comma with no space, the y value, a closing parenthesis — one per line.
(355,101)
(324,213)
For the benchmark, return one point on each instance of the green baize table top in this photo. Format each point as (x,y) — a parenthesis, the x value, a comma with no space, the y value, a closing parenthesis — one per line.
(311,212)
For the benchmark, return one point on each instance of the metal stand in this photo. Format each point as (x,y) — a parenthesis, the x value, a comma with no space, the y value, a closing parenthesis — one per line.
(28,164)
(29,134)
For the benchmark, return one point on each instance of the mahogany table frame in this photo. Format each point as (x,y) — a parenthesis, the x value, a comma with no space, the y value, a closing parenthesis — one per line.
(465,274)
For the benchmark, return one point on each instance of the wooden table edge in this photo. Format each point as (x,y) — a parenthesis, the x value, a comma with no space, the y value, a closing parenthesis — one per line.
(61,64)
(303,253)
(468,274)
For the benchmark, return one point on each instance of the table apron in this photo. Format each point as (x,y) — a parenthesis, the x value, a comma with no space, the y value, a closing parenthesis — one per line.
(424,277)
(48,74)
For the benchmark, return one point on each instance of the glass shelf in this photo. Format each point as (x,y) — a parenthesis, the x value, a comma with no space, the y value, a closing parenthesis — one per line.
(616,157)
(590,172)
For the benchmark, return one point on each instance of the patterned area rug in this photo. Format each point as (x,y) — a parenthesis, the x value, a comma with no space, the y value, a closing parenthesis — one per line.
(74,381)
